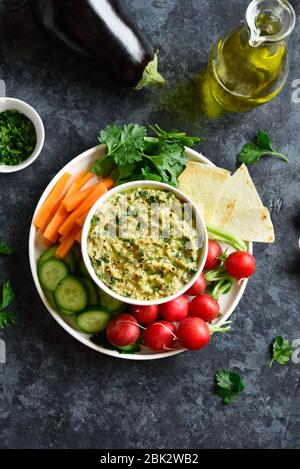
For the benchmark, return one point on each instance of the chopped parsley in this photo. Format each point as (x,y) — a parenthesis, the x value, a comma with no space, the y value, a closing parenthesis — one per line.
(17,138)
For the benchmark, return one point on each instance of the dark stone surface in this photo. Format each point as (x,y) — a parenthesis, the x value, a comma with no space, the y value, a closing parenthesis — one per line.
(54,392)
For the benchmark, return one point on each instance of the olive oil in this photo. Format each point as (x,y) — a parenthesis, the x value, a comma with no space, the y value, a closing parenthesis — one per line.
(249,65)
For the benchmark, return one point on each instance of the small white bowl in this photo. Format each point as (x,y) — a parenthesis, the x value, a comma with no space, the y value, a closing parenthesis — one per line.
(28,111)
(200,225)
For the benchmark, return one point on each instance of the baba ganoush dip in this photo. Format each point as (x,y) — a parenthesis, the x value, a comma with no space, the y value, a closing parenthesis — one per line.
(141,246)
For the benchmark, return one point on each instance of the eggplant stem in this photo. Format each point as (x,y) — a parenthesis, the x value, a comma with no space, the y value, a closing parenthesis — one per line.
(151,76)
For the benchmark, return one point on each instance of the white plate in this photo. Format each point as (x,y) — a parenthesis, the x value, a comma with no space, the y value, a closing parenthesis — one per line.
(228,303)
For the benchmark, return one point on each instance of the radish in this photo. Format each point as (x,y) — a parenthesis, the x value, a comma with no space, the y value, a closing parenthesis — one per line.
(175,310)
(160,336)
(123,330)
(194,333)
(213,254)
(145,314)
(198,287)
(240,265)
(204,307)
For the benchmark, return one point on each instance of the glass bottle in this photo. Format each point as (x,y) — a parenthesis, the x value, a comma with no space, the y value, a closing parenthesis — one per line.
(249,65)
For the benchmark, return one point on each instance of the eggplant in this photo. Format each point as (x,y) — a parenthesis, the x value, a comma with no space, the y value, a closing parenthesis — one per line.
(103,32)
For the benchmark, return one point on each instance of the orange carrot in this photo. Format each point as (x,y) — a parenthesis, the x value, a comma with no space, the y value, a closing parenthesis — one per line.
(52,200)
(60,213)
(69,223)
(109,182)
(80,221)
(86,178)
(51,231)
(78,237)
(67,243)
(47,243)
(70,203)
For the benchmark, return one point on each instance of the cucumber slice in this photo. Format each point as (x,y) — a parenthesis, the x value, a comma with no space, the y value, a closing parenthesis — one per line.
(130,348)
(93,320)
(93,297)
(65,312)
(82,268)
(51,272)
(69,259)
(111,304)
(50,253)
(71,294)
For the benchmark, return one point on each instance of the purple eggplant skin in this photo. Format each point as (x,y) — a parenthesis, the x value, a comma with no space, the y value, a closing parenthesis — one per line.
(102,31)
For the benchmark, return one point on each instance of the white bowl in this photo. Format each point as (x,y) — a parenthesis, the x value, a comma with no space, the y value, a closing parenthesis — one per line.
(28,111)
(200,226)
(228,303)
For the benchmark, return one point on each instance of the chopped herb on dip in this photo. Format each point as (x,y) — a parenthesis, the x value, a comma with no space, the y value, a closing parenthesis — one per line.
(17,137)
(143,249)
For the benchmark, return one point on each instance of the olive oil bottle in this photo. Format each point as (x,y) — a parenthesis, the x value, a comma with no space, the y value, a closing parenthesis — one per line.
(249,65)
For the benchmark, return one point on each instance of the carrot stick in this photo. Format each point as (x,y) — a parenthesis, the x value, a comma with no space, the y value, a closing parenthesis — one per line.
(70,203)
(51,231)
(67,243)
(78,237)
(60,213)
(80,221)
(109,182)
(69,223)
(52,200)
(47,243)
(86,178)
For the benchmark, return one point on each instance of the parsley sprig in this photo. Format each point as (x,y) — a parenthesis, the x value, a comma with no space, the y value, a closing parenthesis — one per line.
(7,317)
(5,249)
(252,152)
(132,154)
(282,351)
(229,385)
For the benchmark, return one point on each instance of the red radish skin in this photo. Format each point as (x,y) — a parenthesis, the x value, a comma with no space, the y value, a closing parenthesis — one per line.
(193,333)
(204,307)
(175,310)
(160,336)
(198,287)
(123,330)
(240,265)
(214,251)
(144,314)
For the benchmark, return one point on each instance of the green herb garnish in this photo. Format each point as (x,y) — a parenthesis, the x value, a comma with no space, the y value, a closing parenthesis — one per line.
(4,249)
(7,317)
(133,155)
(229,385)
(17,137)
(252,152)
(281,351)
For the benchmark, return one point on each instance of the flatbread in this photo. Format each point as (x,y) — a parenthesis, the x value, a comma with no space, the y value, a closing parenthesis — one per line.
(241,187)
(252,224)
(223,211)
(203,184)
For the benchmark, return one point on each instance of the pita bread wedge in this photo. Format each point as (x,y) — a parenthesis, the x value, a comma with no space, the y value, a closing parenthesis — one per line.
(241,187)
(252,224)
(223,211)
(204,185)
